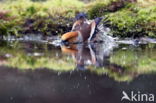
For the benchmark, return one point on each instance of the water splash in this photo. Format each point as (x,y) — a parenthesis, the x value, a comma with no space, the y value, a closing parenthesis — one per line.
(56,42)
(30,37)
(102,35)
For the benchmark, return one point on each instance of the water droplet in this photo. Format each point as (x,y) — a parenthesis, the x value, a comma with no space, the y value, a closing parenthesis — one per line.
(59,73)
(11,98)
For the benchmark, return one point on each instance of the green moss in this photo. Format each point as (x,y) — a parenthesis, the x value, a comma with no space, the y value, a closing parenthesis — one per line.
(126,19)
(22,10)
(10,27)
(132,19)
(123,22)
(100,7)
(130,22)
(18,7)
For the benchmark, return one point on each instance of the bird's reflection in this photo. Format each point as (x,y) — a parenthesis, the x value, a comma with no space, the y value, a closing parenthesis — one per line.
(87,56)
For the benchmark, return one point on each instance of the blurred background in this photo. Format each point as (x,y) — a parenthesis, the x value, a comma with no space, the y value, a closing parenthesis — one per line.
(126,18)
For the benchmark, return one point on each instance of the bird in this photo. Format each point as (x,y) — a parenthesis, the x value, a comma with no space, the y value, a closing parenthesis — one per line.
(83,30)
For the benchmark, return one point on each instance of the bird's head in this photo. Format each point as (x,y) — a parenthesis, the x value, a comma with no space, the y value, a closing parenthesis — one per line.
(81,16)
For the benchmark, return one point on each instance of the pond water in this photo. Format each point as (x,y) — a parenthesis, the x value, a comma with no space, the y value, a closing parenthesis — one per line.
(37,72)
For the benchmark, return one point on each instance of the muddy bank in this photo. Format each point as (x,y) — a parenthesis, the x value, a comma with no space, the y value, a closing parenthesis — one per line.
(47,26)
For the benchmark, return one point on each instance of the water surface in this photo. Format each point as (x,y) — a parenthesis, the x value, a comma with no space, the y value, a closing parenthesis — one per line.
(36,72)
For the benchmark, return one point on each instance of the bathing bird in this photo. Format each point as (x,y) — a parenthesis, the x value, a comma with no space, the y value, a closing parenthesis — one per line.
(83,30)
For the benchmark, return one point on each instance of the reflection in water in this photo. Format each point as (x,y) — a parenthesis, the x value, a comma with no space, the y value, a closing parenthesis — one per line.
(122,63)
(86,56)
(32,72)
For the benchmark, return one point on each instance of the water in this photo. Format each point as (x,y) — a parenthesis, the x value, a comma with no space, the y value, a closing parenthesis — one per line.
(34,71)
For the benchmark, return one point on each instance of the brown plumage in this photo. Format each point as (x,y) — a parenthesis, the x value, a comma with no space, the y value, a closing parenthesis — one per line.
(84,28)
(70,37)
(82,31)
